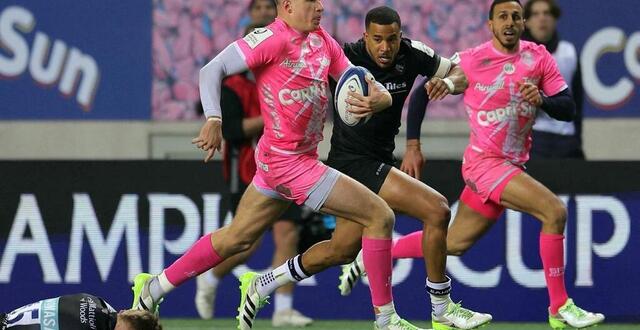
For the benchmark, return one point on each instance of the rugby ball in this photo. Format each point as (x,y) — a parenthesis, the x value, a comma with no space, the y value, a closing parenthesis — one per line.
(352,80)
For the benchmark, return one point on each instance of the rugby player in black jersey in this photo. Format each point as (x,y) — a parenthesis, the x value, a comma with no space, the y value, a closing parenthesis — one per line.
(76,312)
(365,153)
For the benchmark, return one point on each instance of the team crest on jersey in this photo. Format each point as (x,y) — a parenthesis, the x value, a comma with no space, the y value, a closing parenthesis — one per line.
(400,68)
(315,41)
(509,68)
(257,36)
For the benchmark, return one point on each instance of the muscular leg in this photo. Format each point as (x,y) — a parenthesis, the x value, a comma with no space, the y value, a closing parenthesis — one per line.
(427,205)
(352,201)
(285,238)
(256,212)
(230,263)
(523,193)
(467,228)
(363,214)
(342,248)
(207,283)
(359,213)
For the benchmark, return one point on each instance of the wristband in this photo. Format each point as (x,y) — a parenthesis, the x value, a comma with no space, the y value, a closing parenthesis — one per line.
(449,84)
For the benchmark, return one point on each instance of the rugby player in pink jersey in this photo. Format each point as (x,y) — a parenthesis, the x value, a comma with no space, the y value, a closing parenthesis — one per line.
(509,81)
(291,59)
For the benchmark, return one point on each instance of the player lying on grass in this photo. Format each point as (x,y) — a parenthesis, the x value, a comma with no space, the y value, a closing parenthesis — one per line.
(76,312)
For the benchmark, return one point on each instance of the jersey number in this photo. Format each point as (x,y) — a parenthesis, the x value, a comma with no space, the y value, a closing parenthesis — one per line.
(25,315)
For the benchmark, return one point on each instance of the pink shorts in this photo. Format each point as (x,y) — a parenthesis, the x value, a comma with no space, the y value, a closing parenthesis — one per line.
(485,179)
(300,178)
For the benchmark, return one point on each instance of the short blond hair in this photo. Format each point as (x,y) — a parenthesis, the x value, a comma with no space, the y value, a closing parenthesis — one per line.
(140,320)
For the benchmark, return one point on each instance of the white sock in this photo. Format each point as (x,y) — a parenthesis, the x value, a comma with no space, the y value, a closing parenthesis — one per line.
(159,287)
(283,302)
(439,293)
(384,313)
(360,261)
(211,278)
(289,272)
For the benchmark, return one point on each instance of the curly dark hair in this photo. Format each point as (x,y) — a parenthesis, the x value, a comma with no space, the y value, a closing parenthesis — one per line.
(140,320)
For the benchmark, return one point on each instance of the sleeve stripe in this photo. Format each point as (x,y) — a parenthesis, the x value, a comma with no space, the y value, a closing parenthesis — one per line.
(443,68)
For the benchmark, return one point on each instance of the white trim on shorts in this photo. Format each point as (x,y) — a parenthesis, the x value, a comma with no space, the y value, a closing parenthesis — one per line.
(319,193)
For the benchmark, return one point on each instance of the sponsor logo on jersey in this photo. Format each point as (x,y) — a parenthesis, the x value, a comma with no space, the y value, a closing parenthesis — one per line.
(287,63)
(524,109)
(533,81)
(498,85)
(263,166)
(309,94)
(257,36)
(394,86)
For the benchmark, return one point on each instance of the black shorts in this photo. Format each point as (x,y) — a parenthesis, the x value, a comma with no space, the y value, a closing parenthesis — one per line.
(370,172)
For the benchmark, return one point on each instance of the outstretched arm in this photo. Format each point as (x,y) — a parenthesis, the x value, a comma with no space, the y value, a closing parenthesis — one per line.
(228,62)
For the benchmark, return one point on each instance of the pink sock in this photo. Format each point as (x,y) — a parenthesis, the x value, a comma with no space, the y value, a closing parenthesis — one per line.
(408,246)
(376,254)
(552,255)
(200,258)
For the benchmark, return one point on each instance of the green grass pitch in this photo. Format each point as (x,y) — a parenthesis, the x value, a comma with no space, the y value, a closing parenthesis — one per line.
(229,324)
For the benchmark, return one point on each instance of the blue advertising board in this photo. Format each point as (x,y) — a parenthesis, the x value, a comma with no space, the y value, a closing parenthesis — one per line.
(92,59)
(67,230)
(607,37)
(75,59)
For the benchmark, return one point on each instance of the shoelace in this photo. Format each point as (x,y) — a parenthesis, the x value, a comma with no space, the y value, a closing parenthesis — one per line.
(261,301)
(405,325)
(458,310)
(576,311)
(155,306)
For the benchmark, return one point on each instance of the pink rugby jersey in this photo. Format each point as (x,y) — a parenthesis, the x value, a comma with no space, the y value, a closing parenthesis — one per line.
(292,70)
(499,117)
